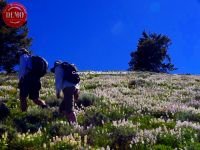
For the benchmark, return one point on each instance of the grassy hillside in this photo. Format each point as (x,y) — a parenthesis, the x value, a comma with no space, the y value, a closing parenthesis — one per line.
(116,111)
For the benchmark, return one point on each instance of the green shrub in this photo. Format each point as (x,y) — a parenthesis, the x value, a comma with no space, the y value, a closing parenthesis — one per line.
(91,86)
(34,119)
(114,114)
(139,83)
(4,111)
(99,137)
(193,146)
(162,147)
(28,141)
(52,101)
(95,118)
(122,137)
(92,116)
(13,103)
(4,141)
(189,116)
(59,129)
(26,124)
(168,140)
(11,132)
(63,146)
(146,122)
(91,76)
(188,134)
(86,99)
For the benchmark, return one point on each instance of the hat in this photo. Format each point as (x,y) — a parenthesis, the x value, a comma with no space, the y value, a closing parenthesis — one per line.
(23,51)
(57,62)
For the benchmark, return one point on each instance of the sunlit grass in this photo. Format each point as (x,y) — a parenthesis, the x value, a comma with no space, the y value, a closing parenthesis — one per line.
(115,111)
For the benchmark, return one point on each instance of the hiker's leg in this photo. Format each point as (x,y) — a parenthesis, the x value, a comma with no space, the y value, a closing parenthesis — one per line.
(62,107)
(69,104)
(76,95)
(23,94)
(39,102)
(35,97)
(35,93)
(23,103)
(71,117)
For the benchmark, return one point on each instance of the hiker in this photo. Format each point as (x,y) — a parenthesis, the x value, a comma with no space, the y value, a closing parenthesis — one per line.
(67,81)
(31,69)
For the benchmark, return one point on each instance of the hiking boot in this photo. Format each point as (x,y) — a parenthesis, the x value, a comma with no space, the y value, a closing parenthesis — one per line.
(44,106)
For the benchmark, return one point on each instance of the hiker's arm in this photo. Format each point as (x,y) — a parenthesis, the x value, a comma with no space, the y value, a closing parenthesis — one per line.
(58,95)
(59,80)
(76,94)
(22,66)
(58,88)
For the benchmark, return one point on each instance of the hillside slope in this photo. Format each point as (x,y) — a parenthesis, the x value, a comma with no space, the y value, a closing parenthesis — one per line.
(117,111)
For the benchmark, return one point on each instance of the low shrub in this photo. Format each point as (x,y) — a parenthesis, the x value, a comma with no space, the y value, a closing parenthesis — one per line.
(28,141)
(11,132)
(168,140)
(90,86)
(52,101)
(97,119)
(93,117)
(122,137)
(162,147)
(99,137)
(4,111)
(189,116)
(86,99)
(193,146)
(34,119)
(139,83)
(59,129)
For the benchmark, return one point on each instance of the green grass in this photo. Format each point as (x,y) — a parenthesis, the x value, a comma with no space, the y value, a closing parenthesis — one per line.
(135,111)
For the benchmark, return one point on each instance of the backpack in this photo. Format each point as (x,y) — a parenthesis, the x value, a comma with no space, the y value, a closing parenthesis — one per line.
(39,66)
(70,73)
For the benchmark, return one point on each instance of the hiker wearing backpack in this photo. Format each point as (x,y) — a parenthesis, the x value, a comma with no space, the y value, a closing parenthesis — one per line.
(66,80)
(31,69)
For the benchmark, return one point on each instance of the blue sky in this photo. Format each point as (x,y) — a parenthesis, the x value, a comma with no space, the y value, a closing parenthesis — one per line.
(100,34)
